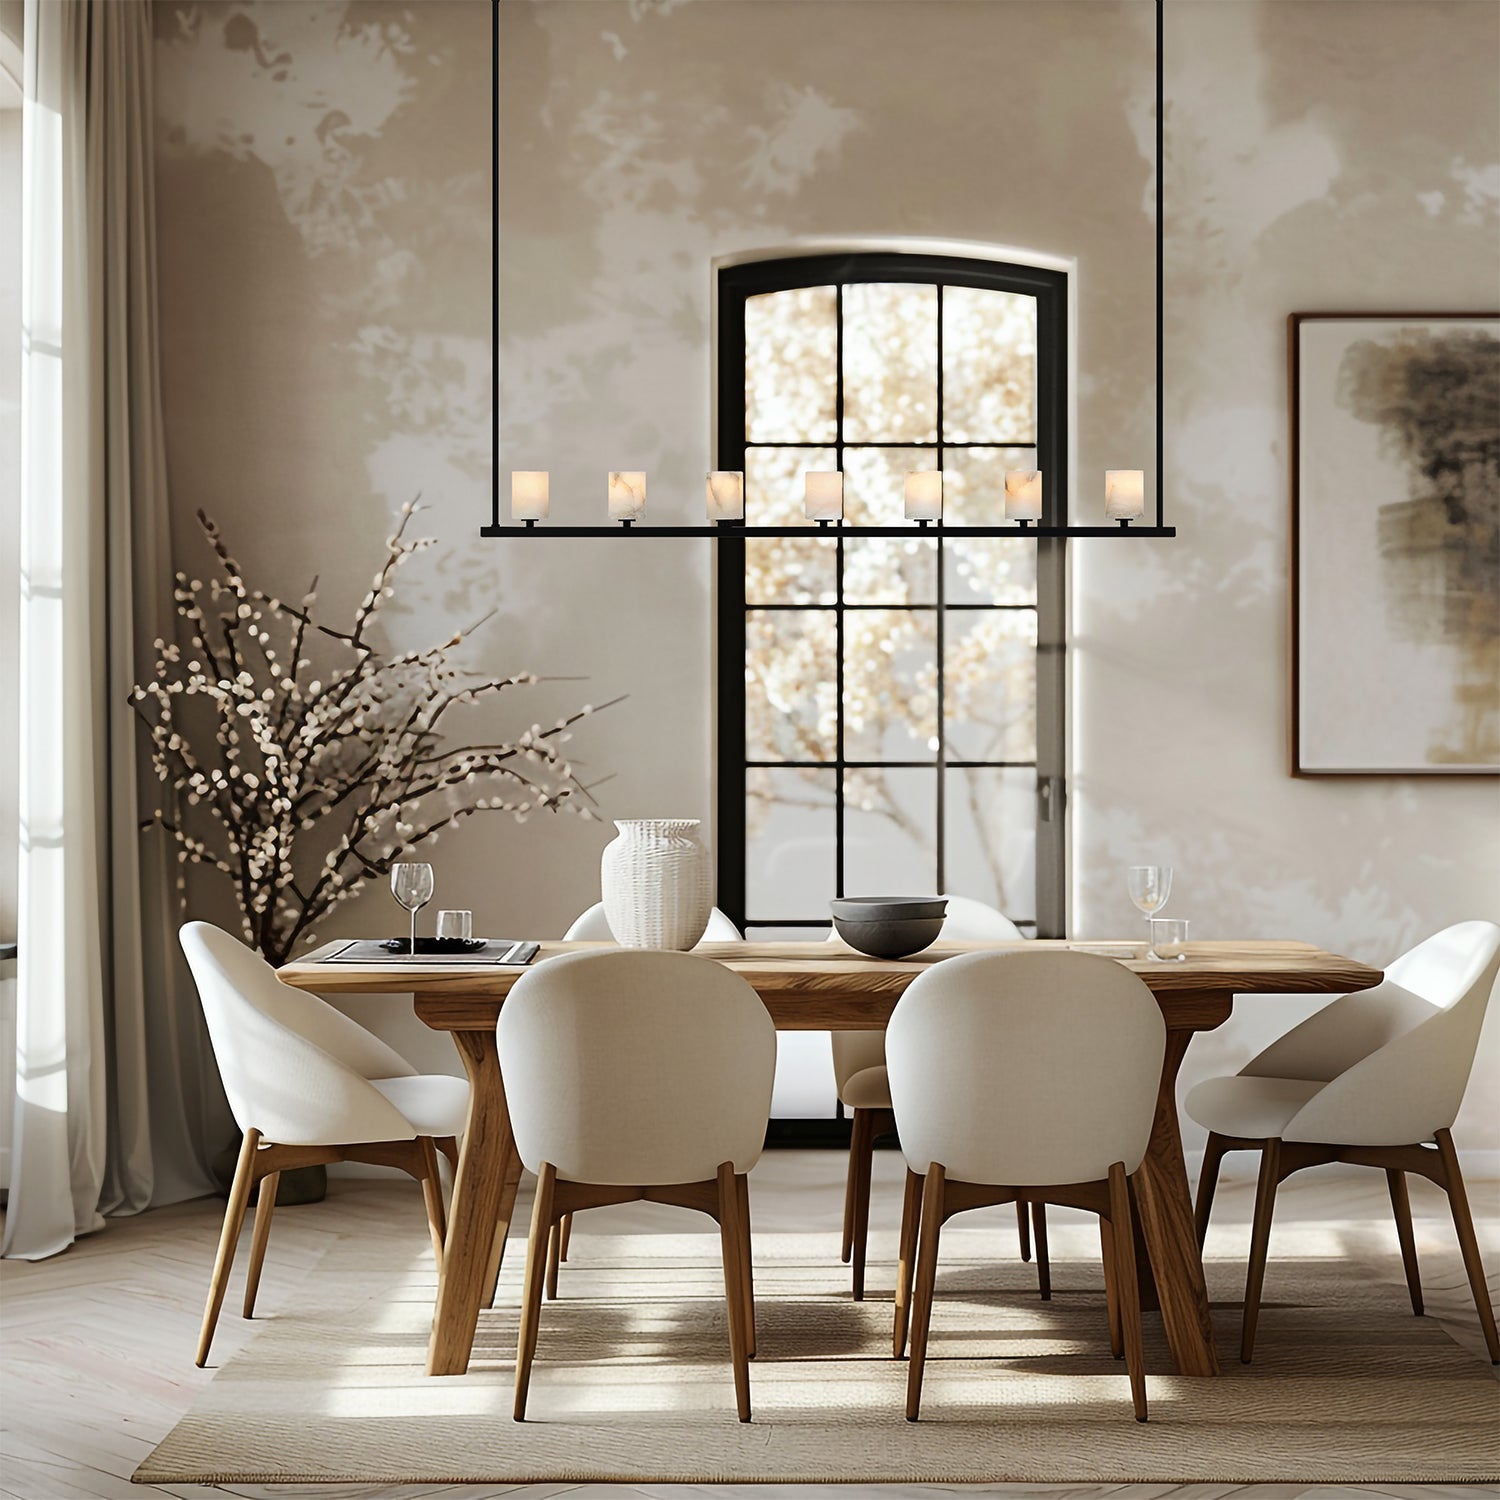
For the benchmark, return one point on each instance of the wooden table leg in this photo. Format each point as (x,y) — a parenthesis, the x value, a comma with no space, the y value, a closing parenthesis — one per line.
(483,1197)
(1166,1219)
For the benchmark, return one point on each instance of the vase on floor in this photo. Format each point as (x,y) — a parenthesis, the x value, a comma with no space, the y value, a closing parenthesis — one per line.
(656,883)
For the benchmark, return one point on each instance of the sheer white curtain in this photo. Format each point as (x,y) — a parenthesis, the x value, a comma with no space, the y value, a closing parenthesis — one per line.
(118,1104)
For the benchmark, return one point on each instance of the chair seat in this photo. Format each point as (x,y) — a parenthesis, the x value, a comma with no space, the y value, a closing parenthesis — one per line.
(870,1088)
(434,1103)
(1254,1108)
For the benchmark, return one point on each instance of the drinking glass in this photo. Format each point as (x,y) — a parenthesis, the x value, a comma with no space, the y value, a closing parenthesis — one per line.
(1169,939)
(455,924)
(411,885)
(1149,886)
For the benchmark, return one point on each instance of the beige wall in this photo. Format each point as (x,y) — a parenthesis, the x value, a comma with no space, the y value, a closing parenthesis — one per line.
(324,192)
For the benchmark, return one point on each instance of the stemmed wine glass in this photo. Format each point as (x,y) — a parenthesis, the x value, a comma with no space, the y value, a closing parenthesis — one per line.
(1149,885)
(411,885)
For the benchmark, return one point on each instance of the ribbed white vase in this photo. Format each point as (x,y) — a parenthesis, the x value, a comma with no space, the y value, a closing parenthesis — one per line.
(657,886)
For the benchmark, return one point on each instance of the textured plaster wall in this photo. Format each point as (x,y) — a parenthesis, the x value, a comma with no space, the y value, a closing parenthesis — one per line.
(325,219)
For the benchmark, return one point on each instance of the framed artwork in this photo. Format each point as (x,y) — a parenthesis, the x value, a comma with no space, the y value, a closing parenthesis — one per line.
(1395,544)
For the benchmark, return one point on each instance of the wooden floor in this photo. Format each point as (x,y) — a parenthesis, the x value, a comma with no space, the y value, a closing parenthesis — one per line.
(97,1344)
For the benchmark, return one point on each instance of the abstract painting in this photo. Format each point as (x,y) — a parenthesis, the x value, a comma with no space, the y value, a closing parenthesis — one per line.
(1395,427)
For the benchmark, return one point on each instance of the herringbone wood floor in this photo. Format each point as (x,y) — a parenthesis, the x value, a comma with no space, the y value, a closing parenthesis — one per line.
(98,1342)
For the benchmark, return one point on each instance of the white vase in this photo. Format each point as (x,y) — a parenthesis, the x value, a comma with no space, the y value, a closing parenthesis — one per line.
(657,886)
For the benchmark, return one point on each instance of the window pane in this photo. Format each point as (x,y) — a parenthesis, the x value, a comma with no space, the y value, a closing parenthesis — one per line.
(989,838)
(989,684)
(875,484)
(890,685)
(785,570)
(791,366)
(974,483)
(890,363)
(890,848)
(790,843)
(989,366)
(989,570)
(879,570)
(790,685)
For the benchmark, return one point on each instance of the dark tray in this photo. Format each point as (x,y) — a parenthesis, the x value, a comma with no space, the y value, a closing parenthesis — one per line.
(434,945)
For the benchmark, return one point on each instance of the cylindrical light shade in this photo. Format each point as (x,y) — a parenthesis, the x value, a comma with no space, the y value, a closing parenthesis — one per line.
(627,496)
(824,494)
(1124,493)
(726,495)
(924,495)
(528,494)
(1023,495)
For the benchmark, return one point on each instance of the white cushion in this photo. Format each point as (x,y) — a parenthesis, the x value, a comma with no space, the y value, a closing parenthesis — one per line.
(1258,1109)
(434,1103)
(870,1088)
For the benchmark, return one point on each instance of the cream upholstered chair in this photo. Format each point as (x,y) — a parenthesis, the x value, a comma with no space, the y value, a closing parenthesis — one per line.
(1025,1077)
(592,926)
(308,1085)
(1374,1078)
(637,1074)
(863,1088)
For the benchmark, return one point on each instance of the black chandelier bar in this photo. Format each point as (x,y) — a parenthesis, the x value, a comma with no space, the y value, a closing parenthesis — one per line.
(841,528)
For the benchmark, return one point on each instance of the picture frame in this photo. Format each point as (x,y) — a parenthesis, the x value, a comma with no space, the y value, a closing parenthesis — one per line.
(1394,428)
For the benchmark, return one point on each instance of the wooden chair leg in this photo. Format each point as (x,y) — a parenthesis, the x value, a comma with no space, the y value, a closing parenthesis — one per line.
(1208,1179)
(1111,1290)
(1023,1225)
(731,1244)
(265,1206)
(1401,1206)
(747,1264)
(554,1257)
(1260,1241)
(1127,1288)
(851,1174)
(1043,1264)
(531,1295)
(911,1217)
(926,1282)
(234,1217)
(861,1158)
(432,1196)
(1463,1222)
(448,1145)
(565,1235)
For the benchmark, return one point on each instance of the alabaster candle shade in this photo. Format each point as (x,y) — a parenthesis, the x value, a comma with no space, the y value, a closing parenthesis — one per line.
(528,494)
(726,495)
(1023,495)
(627,495)
(924,495)
(823,492)
(1124,494)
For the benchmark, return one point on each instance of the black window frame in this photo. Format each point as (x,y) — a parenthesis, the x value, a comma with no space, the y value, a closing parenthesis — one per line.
(735,284)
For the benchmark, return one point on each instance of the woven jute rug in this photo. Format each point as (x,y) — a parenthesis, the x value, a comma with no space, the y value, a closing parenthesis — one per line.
(632,1379)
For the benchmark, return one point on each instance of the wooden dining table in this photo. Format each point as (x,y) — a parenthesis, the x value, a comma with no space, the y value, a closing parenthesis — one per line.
(825,986)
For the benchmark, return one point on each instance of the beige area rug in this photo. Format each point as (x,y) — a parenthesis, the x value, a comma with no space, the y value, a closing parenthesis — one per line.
(632,1379)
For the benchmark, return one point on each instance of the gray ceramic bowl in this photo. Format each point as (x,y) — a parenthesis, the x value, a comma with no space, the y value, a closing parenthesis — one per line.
(898,938)
(888,908)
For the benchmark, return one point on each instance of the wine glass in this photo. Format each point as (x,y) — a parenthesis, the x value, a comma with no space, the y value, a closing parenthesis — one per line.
(411,885)
(1149,886)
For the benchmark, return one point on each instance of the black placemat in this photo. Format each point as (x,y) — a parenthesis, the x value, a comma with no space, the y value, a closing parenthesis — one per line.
(511,952)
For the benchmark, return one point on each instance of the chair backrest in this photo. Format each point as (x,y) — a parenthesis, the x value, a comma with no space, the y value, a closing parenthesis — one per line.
(1025,1069)
(636,1067)
(1424,1022)
(966,920)
(293,1067)
(592,926)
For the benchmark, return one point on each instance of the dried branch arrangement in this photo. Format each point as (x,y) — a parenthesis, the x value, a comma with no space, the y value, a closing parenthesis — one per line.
(318,783)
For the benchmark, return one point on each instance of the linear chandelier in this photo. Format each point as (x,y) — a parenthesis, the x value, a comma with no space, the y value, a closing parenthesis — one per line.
(1021,506)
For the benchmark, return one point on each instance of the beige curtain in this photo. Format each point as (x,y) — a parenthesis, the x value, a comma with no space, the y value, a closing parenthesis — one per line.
(118,1103)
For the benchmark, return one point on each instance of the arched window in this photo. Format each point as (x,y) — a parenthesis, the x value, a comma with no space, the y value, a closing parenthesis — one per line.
(890,712)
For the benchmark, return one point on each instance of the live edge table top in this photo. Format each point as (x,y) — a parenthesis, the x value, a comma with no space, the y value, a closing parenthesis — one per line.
(822,986)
